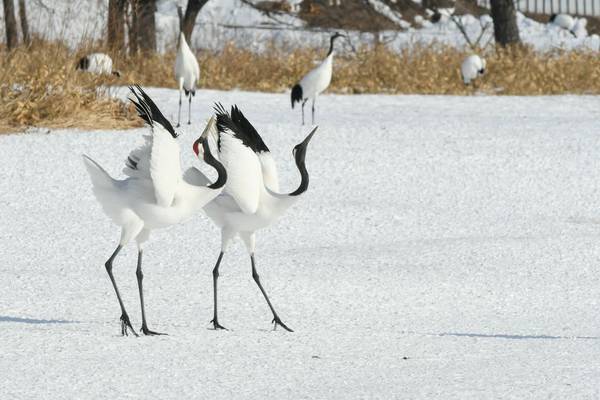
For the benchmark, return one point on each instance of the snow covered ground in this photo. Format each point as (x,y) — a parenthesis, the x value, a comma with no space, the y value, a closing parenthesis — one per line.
(224,21)
(448,248)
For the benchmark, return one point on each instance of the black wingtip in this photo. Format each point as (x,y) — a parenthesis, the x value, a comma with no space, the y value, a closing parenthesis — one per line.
(148,110)
(238,124)
(296,94)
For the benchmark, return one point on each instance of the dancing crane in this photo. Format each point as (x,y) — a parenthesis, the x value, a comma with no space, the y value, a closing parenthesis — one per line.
(154,195)
(251,198)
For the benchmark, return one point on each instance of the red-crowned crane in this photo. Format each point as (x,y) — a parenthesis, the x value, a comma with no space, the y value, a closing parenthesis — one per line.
(316,81)
(471,68)
(251,199)
(154,195)
(187,75)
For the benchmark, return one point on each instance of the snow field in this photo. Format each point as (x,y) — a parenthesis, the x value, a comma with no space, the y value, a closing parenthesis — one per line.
(447,248)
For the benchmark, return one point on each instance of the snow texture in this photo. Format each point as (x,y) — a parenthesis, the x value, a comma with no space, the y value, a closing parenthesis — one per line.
(447,248)
(230,21)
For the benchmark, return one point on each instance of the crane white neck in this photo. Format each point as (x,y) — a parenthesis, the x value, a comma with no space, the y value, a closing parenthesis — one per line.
(182,42)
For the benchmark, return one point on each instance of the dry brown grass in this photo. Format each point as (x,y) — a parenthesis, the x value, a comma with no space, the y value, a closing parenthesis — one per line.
(55,95)
(420,70)
(39,86)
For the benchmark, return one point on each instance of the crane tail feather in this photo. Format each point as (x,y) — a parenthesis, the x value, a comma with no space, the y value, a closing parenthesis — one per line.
(296,94)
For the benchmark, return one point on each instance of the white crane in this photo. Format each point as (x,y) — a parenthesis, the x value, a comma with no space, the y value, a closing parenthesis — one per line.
(579,28)
(575,26)
(251,198)
(316,81)
(187,74)
(564,21)
(472,67)
(154,195)
(97,63)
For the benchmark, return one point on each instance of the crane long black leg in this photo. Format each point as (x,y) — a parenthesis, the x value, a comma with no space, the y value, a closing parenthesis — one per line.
(190,109)
(125,322)
(179,112)
(140,278)
(276,318)
(303,103)
(313,111)
(215,273)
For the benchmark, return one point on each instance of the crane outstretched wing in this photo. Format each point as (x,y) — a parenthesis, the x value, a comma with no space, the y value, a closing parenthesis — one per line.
(158,158)
(239,146)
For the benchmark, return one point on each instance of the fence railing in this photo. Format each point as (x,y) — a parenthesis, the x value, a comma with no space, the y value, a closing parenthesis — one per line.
(589,8)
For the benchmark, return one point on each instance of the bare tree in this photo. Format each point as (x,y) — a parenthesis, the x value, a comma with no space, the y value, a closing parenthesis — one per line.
(504,15)
(132,27)
(24,23)
(12,40)
(146,27)
(116,24)
(475,45)
(141,26)
(189,19)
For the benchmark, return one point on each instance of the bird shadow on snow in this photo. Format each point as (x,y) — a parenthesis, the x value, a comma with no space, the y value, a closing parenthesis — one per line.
(582,220)
(512,337)
(4,318)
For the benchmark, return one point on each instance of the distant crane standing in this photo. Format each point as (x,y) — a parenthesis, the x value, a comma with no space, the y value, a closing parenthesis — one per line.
(187,74)
(251,198)
(564,21)
(575,26)
(97,63)
(316,81)
(154,196)
(472,67)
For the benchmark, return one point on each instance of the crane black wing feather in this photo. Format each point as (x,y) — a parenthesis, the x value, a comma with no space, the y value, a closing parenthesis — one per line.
(148,111)
(240,127)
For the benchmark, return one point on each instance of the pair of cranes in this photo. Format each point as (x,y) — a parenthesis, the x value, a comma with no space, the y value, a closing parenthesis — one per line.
(187,74)
(244,197)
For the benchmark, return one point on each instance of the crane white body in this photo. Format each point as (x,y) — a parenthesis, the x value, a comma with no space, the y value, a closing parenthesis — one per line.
(471,68)
(97,63)
(564,21)
(154,195)
(251,198)
(579,29)
(315,81)
(187,73)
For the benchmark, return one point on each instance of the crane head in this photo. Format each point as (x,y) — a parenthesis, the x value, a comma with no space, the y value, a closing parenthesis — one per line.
(337,35)
(299,150)
(203,139)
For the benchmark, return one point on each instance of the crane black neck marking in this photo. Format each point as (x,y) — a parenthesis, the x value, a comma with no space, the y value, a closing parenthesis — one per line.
(83,64)
(300,155)
(331,45)
(213,162)
(331,40)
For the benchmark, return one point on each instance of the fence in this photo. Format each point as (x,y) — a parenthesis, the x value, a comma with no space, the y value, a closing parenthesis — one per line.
(590,8)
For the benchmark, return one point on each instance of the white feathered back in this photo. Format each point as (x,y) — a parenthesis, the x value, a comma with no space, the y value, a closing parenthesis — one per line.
(244,174)
(158,159)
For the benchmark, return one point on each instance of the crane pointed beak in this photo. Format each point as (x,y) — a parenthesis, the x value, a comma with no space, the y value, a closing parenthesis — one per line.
(210,125)
(309,137)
